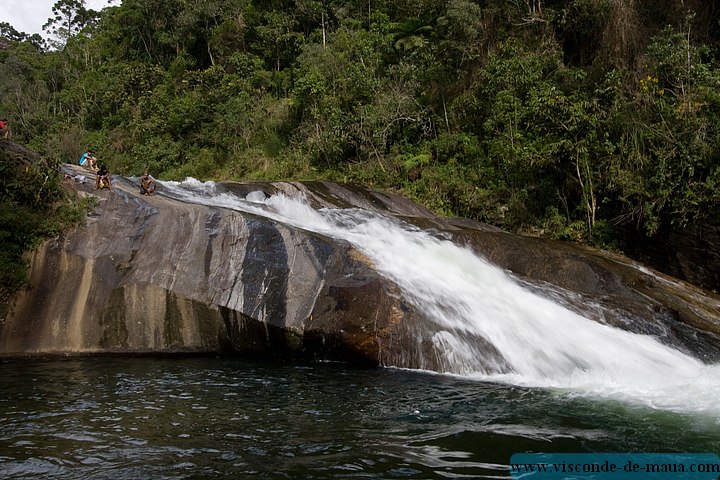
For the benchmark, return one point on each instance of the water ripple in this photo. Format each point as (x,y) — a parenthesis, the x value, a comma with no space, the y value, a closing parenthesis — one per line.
(212,418)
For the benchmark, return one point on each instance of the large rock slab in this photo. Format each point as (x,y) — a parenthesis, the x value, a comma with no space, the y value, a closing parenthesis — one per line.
(158,275)
(154,275)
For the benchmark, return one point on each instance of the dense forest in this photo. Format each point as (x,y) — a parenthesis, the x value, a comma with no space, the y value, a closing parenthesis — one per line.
(587,120)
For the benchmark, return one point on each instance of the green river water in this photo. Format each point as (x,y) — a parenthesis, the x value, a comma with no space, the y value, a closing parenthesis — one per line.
(206,418)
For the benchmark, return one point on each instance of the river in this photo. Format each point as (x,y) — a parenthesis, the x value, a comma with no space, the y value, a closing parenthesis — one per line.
(520,373)
(485,324)
(176,418)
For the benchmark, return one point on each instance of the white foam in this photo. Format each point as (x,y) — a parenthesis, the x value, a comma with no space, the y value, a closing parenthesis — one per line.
(542,343)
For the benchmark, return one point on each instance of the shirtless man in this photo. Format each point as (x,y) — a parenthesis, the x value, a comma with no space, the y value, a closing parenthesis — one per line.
(147,184)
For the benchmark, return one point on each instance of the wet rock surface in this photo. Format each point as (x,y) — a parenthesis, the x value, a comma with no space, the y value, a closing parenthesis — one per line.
(157,275)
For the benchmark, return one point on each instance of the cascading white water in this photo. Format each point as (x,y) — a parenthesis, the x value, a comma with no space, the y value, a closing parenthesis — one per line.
(542,343)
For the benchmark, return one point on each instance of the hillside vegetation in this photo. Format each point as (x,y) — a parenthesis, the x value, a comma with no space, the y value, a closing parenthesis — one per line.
(586,120)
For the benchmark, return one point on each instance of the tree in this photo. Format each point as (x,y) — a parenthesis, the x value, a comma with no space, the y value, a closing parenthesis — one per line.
(70,16)
(277,38)
(671,138)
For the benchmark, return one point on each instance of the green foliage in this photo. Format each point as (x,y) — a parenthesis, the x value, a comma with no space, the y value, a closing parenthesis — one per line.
(69,18)
(582,25)
(565,121)
(202,165)
(671,146)
(410,162)
(23,228)
(18,227)
(33,207)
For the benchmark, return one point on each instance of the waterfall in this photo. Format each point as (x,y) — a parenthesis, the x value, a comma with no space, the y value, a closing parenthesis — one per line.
(474,304)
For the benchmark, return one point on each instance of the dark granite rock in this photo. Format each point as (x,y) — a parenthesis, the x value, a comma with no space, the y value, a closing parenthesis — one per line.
(157,275)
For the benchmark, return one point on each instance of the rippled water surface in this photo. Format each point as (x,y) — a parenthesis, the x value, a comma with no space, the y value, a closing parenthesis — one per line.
(120,418)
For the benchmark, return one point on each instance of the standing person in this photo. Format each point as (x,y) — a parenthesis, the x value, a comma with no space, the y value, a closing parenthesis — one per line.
(103,178)
(147,184)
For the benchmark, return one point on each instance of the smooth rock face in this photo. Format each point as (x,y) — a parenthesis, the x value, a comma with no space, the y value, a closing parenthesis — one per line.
(156,275)
(697,255)
(150,274)
(690,253)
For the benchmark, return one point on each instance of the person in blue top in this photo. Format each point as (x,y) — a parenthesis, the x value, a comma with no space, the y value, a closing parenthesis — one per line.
(88,160)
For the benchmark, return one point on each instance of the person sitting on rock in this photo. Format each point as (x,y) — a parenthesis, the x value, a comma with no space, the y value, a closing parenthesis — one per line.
(88,160)
(93,164)
(103,178)
(147,184)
